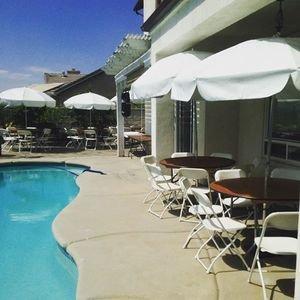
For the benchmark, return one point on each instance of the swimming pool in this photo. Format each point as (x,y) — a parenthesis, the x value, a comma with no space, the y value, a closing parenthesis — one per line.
(32,266)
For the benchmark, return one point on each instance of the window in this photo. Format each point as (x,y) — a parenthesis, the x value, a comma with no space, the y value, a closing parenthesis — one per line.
(286,123)
(286,130)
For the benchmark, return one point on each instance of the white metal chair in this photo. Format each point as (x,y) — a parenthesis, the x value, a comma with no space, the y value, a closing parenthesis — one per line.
(151,159)
(200,177)
(90,137)
(181,154)
(230,202)
(25,140)
(286,173)
(176,155)
(165,189)
(195,209)
(75,139)
(224,155)
(225,228)
(278,245)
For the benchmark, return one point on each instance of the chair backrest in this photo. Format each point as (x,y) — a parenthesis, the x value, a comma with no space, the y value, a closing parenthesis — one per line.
(90,133)
(181,154)
(224,155)
(286,173)
(148,159)
(202,199)
(229,174)
(193,173)
(12,131)
(24,133)
(283,220)
(3,132)
(46,131)
(184,184)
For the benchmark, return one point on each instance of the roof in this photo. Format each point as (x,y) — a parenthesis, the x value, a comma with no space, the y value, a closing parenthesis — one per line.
(162,10)
(61,88)
(138,6)
(43,87)
(130,49)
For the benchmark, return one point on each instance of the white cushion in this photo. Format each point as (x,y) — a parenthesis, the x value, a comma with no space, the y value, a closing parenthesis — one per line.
(229,224)
(278,245)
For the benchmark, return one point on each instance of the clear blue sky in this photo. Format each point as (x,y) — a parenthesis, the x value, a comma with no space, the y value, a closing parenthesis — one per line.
(55,35)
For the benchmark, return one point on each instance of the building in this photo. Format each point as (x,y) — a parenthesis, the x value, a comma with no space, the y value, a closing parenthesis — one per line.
(211,26)
(97,82)
(63,77)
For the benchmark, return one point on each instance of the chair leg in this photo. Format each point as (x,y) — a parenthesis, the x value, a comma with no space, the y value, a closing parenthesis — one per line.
(147,196)
(193,232)
(182,208)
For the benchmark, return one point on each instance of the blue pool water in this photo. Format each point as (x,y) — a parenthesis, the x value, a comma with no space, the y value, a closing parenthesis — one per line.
(32,266)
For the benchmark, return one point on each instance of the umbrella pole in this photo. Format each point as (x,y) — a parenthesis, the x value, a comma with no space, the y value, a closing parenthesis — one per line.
(25,112)
(270,129)
(90,118)
(195,135)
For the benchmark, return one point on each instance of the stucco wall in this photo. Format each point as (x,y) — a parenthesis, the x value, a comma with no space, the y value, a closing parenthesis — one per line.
(221,133)
(251,130)
(162,127)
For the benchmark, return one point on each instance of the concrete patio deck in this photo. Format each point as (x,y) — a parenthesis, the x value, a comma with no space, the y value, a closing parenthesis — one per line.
(123,252)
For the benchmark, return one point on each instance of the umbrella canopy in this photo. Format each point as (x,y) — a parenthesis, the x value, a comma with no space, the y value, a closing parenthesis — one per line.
(250,70)
(89,101)
(27,97)
(158,79)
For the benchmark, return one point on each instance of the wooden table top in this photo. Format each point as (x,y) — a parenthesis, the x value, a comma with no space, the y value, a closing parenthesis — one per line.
(141,138)
(203,162)
(259,189)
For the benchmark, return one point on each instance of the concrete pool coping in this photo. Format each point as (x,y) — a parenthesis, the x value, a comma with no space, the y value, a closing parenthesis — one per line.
(121,251)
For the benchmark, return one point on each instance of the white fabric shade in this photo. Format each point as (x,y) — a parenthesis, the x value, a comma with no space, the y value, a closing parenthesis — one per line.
(89,101)
(158,79)
(27,97)
(250,70)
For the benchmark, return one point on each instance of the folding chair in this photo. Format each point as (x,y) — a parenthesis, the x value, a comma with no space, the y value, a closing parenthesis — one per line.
(90,137)
(166,190)
(277,245)
(195,209)
(230,202)
(226,229)
(198,177)
(150,159)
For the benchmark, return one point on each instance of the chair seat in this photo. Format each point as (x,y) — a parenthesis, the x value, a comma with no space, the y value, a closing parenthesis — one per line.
(203,189)
(163,178)
(237,202)
(229,224)
(278,245)
(167,186)
(197,209)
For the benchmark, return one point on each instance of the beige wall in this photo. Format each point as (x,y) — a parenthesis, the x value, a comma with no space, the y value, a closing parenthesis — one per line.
(221,134)
(251,130)
(162,127)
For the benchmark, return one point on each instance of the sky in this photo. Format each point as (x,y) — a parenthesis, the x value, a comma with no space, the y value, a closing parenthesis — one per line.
(40,36)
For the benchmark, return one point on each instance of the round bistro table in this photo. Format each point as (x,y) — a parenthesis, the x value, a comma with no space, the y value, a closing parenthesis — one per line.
(259,190)
(209,163)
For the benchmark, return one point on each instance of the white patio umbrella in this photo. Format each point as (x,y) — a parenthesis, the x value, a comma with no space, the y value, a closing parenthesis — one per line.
(254,69)
(250,70)
(27,97)
(158,79)
(89,101)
